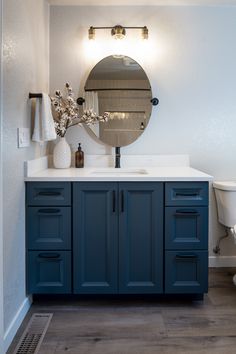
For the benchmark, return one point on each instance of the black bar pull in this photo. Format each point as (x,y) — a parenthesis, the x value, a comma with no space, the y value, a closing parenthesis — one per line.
(122,202)
(49,193)
(186,194)
(49,255)
(186,256)
(185,212)
(113,201)
(49,211)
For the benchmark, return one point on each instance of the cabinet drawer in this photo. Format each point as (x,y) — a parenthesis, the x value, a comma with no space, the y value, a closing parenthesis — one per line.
(48,193)
(49,228)
(49,272)
(186,228)
(186,193)
(186,272)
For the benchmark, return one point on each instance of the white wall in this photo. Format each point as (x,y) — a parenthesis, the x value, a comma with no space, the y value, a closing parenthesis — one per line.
(25,69)
(190,60)
(1,201)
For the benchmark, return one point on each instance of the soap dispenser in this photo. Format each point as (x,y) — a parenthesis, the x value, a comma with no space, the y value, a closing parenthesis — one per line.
(79,157)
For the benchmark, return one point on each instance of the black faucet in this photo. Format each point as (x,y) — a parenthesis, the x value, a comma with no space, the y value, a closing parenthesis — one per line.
(117,149)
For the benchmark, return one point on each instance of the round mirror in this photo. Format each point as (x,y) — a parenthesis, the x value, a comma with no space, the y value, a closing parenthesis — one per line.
(120,87)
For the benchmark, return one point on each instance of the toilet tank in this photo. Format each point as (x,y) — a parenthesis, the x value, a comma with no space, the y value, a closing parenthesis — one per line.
(226,202)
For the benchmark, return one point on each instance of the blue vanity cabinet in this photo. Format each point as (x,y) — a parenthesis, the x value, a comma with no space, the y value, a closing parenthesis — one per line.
(186,237)
(141,237)
(118,237)
(95,237)
(48,237)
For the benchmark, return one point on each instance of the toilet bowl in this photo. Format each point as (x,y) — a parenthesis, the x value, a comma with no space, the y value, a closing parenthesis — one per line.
(225,193)
(226,202)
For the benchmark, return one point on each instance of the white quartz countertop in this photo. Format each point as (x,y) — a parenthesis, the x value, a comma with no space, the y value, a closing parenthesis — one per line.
(126,174)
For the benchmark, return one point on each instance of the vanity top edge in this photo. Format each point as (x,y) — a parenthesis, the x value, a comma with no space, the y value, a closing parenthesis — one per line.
(92,175)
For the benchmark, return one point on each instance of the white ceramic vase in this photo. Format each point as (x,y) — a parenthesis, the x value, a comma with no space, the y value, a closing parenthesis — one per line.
(62,154)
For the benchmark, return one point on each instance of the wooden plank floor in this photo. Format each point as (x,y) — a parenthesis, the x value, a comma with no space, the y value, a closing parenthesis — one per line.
(142,325)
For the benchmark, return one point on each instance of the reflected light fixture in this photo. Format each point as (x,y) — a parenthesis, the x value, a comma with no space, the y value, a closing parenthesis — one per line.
(118,31)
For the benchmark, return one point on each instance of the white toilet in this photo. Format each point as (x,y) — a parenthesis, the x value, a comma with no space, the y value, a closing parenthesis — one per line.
(226,206)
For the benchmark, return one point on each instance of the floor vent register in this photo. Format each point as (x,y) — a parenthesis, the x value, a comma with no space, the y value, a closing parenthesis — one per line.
(34,333)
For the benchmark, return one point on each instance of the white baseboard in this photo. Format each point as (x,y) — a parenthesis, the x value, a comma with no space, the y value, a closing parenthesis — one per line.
(222,261)
(16,322)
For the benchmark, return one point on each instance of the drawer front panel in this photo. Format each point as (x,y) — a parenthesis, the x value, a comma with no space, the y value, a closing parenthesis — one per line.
(49,272)
(48,193)
(186,272)
(186,228)
(49,228)
(186,193)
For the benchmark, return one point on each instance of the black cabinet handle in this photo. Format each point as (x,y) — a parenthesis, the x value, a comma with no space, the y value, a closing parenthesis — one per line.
(122,202)
(186,212)
(49,193)
(113,201)
(186,194)
(48,255)
(186,256)
(49,211)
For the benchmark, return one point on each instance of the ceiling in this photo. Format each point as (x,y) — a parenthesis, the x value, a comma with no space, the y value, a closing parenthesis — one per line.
(142,2)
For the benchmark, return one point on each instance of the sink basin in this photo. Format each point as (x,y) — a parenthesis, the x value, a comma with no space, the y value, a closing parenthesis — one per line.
(119,171)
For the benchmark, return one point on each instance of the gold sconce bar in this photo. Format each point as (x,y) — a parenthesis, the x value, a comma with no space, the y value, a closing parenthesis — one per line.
(118,31)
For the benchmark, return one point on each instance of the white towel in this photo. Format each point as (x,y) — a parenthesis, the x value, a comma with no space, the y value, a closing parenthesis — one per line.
(44,129)
(91,101)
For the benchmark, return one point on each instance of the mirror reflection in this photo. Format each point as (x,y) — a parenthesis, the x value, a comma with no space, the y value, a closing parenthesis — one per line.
(119,86)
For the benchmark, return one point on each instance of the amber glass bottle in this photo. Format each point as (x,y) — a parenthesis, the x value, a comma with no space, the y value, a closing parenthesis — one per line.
(79,158)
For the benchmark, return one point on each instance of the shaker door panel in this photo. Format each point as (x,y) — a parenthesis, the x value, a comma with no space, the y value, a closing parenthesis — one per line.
(49,228)
(186,228)
(141,237)
(49,272)
(95,238)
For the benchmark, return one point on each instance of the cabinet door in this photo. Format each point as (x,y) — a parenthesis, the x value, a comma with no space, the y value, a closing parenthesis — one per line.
(186,228)
(95,237)
(186,272)
(141,237)
(49,272)
(49,228)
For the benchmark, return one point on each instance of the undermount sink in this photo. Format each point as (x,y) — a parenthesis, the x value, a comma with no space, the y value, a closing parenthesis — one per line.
(119,171)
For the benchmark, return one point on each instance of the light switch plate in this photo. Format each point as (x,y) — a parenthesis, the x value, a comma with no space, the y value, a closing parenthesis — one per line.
(23,137)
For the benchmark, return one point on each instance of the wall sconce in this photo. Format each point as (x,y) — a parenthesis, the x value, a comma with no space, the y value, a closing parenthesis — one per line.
(118,31)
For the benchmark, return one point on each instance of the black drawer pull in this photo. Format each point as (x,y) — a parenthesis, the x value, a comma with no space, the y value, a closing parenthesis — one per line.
(49,211)
(122,201)
(186,212)
(49,255)
(49,194)
(113,201)
(186,256)
(186,194)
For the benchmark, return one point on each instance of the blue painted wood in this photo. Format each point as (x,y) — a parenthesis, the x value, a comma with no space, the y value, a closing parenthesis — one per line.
(141,237)
(49,228)
(49,272)
(186,272)
(186,193)
(186,228)
(48,193)
(118,225)
(95,237)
